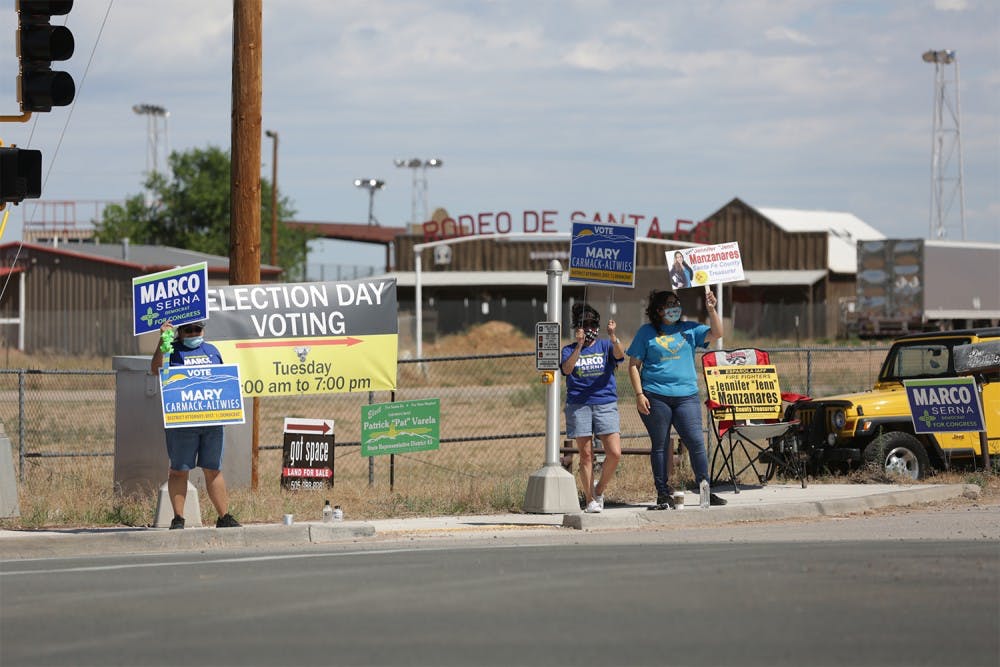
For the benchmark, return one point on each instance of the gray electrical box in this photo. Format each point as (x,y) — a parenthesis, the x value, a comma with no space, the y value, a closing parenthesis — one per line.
(141,462)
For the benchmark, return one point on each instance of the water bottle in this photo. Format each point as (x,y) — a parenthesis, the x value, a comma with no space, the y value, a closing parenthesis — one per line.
(328,512)
(338,514)
(704,494)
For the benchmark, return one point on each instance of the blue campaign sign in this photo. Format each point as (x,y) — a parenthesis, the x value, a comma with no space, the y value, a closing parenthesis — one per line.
(944,405)
(178,295)
(201,395)
(602,254)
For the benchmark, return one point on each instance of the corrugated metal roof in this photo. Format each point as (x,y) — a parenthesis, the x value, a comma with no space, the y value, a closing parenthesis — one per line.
(762,278)
(844,230)
(479,278)
(145,256)
(346,231)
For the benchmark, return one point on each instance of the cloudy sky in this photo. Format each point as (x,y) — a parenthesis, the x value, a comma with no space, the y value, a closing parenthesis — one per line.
(653,108)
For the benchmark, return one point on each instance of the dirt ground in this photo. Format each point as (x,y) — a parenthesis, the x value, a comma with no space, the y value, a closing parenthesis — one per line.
(487,338)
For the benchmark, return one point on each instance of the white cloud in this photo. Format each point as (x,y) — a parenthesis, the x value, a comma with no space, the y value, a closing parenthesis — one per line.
(785,34)
(666,108)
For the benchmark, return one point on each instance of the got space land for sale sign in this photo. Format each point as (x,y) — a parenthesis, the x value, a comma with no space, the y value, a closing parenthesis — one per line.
(307,454)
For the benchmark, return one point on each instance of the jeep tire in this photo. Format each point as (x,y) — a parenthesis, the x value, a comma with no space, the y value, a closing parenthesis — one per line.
(899,453)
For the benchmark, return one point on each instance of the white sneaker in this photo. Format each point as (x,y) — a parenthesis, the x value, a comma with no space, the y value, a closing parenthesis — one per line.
(599,499)
(594,507)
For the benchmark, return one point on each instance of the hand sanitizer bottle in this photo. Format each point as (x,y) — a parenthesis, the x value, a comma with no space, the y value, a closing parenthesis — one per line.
(704,494)
(327,513)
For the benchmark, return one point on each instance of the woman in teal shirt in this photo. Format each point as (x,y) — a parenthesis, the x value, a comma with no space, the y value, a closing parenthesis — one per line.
(662,371)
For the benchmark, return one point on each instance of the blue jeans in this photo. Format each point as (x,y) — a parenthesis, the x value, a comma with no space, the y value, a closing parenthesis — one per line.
(684,414)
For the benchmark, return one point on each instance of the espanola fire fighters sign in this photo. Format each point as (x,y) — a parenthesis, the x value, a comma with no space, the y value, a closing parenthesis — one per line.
(293,339)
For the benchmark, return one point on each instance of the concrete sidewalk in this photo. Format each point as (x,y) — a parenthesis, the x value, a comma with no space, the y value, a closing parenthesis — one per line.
(773,502)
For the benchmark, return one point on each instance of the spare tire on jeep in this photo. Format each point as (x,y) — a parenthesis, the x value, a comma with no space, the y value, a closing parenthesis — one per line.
(899,453)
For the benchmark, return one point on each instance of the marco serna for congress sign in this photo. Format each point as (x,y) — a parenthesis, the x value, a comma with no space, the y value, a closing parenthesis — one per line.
(944,405)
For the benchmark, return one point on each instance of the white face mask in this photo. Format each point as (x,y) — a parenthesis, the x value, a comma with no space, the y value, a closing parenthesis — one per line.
(671,315)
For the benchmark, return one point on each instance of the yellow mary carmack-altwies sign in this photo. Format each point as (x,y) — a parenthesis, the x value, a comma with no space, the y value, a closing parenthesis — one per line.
(292,339)
(752,391)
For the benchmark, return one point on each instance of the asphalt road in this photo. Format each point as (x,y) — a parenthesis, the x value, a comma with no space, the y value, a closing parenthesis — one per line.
(910,587)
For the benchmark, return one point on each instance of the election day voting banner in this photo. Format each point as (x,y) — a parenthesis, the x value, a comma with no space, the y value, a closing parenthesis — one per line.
(177,295)
(293,339)
(603,254)
(206,395)
(705,265)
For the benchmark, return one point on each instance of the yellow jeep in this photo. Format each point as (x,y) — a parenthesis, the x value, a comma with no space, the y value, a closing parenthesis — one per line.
(876,426)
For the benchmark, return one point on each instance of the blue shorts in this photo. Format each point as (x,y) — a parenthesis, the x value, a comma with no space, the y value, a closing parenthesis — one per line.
(195,447)
(585,420)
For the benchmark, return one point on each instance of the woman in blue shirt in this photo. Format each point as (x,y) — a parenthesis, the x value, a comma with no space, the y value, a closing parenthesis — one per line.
(662,371)
(592,399)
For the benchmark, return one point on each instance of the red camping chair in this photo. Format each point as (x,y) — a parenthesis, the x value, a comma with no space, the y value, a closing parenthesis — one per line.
(745,408)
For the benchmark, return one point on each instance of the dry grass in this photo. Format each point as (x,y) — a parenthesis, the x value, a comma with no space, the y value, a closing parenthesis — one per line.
(460,478)
(77,493)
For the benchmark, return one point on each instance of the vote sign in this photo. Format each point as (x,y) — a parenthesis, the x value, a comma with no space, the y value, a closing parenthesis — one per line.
(307,459)
(206,395)
(602,254)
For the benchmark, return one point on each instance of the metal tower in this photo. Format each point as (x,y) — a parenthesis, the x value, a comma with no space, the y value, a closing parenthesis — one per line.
(418,191)
(156,125)
(946,146)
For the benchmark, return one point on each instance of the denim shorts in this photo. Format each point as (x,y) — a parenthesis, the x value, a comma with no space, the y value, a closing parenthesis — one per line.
(584,420)
(195,447)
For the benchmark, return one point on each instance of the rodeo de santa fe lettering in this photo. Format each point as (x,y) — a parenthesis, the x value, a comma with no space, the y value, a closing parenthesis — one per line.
(499,223)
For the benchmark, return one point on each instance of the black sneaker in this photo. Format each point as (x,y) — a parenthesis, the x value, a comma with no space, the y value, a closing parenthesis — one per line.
(177,523)
(227,521)
(715,500)
(665,500)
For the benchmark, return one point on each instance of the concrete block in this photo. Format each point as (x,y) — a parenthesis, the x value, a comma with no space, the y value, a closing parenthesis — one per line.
(551,490)
(9,507)
(165,511)
(141,462)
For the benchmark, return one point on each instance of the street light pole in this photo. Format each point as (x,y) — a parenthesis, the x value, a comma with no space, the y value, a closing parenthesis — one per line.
(274,196)
(418,193)
(372,185)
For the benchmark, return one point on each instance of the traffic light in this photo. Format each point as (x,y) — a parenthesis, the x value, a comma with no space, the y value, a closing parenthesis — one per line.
(20,175)
(39,88)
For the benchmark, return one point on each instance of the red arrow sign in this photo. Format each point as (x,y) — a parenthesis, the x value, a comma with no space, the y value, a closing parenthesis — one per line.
(348,341)
(323,428)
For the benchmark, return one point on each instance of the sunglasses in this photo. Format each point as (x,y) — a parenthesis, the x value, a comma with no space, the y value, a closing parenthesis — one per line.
(192,328)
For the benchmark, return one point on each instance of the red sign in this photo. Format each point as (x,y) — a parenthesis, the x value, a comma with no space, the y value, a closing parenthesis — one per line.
(492,223)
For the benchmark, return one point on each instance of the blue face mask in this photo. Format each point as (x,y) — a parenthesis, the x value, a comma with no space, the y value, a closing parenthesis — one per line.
(671,315)
(192,343)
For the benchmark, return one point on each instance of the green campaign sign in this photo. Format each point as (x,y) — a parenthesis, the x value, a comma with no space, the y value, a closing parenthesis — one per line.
(401,427)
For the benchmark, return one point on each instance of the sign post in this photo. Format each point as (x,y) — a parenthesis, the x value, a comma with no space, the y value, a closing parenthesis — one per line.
(551,489)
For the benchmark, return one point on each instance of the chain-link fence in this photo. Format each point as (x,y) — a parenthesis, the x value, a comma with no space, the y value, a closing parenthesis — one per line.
(492,411)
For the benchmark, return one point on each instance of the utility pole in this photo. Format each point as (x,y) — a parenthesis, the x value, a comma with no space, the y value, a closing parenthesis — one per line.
(244,194)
